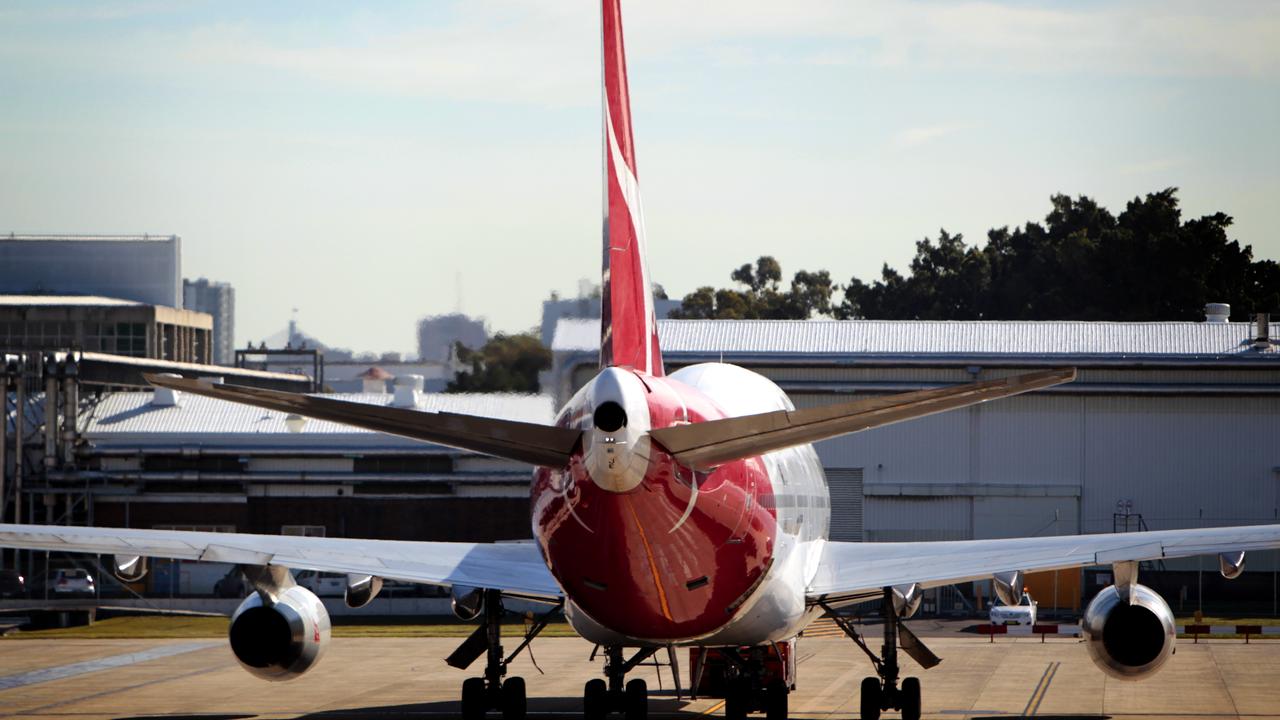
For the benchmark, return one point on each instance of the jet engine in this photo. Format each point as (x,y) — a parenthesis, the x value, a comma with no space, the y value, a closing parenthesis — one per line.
(467,602)
(280,639)
(1128,638)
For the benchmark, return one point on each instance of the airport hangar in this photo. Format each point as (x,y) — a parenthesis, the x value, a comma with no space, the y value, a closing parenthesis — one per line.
(1169,425)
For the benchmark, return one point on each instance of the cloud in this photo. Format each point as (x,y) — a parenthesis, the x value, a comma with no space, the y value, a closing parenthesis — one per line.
(917,136)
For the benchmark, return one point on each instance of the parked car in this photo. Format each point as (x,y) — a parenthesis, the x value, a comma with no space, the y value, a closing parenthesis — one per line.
(322,584)
(12,584)
(231,585)
(1024,613)
(71,582)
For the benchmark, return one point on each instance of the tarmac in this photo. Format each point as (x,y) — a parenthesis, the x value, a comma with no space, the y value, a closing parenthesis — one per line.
(406,677)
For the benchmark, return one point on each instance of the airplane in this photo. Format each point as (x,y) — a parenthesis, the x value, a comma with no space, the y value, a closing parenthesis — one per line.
(668,510)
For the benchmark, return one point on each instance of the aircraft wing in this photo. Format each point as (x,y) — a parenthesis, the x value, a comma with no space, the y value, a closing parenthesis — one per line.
(707,444)
(851,571)
(517,569)
(521,441)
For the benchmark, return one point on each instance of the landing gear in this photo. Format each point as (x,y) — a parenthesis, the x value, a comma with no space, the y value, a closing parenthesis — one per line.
(882,692)
(492,692)
(600,698)
(635,704)
(750,690)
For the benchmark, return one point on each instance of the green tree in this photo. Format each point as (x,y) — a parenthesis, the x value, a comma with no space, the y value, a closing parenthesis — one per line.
(1081,263)
(507,363)
(761,295)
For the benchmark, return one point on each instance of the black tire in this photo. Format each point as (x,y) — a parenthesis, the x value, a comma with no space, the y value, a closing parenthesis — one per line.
(911,699)
(474,703)
(737,698)
(514,703)
(775,701)
(869,702)
(636,703)
(595,702)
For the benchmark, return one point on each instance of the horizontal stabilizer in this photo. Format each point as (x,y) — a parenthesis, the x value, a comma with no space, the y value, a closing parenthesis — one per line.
(520,441)
(708,444)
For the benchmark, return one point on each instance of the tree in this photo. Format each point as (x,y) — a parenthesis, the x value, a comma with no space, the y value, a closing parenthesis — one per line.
(762,296)
(1082,263)
(507,363)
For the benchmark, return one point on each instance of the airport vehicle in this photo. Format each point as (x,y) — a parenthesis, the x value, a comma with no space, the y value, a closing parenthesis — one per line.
(71,582)
(1024,613)
(681,510)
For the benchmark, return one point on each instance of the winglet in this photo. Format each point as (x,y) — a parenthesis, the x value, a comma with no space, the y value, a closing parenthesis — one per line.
(628,324)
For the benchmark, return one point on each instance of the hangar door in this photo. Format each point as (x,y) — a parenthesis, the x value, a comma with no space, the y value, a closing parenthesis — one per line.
(845,486)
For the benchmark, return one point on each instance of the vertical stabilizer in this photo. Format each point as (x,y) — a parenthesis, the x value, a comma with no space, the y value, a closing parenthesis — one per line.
(628,327)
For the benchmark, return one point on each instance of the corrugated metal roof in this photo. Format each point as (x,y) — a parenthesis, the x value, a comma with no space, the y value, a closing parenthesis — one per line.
(932,337)
(122,414)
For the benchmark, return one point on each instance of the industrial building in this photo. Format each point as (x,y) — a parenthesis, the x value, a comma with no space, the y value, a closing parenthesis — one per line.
(101,324)
(1169,425)
(143,268)
(218,299)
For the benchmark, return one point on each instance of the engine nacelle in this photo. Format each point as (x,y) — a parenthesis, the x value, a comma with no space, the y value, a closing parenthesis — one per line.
(1129,638)
(467,602)
(280,640)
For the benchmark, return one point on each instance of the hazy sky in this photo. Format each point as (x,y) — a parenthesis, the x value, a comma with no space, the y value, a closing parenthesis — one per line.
(362,163)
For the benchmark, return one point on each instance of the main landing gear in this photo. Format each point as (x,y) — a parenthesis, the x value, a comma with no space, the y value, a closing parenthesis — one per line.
(883,692)
(749,690)
(599,698)
(491,692)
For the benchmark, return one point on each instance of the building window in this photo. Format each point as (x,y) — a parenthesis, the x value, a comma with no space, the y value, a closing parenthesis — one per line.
(303,530)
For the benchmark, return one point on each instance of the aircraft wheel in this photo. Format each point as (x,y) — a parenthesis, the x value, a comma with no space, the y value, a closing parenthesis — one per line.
(595,704)
(736,699)
(473,699)
(637,700)
(514,703)
(911,699)
(775,701)
(871,697)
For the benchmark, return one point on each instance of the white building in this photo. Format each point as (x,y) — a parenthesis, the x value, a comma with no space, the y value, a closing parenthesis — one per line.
(1178,421)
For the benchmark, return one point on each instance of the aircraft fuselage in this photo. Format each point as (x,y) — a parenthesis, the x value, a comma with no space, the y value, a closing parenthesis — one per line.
(650,552)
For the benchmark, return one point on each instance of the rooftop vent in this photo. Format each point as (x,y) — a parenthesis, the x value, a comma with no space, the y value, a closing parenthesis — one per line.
(166,397)
(407,388)
(1217,312)
(1263,339)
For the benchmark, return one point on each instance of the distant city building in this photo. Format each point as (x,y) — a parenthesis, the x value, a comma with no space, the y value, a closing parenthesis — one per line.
(437,335)
(142,268)
(98,324)
(586,306)
(294,337)
(219,300)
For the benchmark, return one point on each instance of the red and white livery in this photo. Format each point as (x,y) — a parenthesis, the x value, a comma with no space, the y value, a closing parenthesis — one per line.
(687,509)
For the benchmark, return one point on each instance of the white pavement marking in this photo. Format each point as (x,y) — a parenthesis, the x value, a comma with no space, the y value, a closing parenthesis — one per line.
(60,672)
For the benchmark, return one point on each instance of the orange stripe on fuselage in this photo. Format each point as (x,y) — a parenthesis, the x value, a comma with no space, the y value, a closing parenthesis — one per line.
(653,565)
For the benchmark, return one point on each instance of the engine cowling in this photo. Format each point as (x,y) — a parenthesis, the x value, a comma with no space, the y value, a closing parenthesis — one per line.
(1129,640)
(280,640)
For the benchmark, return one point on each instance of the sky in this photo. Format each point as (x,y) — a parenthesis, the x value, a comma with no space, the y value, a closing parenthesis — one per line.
(371,164)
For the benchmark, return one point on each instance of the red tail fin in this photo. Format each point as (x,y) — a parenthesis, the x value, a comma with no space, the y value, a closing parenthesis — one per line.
(629,330)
